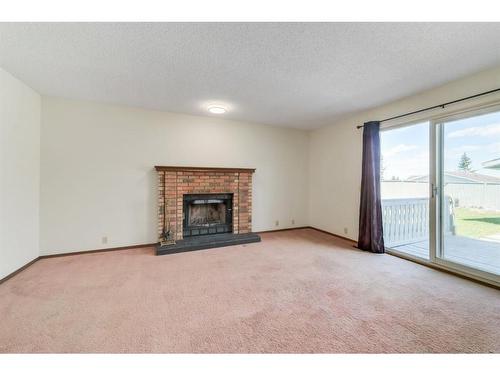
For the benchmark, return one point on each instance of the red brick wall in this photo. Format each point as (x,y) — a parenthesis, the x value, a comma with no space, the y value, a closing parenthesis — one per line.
(172,185)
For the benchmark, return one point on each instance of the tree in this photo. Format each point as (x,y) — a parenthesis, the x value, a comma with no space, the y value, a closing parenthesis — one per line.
(465,163)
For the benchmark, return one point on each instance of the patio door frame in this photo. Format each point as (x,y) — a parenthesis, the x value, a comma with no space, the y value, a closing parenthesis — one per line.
(436,164)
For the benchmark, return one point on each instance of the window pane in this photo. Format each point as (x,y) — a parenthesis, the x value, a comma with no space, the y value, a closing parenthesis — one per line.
(471,186)
(405,189)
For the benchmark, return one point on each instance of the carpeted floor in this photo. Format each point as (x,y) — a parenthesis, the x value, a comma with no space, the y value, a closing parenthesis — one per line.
(297,291)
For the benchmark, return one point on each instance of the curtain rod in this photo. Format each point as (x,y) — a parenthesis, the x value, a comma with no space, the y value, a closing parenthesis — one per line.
(436,106)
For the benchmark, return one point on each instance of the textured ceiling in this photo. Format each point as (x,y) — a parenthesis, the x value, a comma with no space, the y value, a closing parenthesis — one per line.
(289,74)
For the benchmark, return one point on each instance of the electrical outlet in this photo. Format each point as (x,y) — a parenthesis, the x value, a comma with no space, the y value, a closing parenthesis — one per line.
(293,221)
(104,240)
(277,223)
(346,230)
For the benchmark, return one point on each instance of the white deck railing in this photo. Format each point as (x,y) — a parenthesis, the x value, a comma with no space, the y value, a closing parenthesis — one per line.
(407,220)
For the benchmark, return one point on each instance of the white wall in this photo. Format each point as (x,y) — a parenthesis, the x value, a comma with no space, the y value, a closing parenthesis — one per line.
(336,150)
(19,173)
(98,178)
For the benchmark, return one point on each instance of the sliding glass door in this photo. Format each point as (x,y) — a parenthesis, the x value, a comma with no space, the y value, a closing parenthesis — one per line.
(469,210)
(440,183)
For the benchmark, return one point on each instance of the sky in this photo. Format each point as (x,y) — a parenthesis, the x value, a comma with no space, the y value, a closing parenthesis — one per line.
(405,151)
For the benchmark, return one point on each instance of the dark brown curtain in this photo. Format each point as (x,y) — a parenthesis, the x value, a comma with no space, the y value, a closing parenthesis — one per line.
(371,236)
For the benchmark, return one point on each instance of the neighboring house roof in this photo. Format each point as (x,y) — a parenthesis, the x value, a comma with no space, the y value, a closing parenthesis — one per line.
(492,164)
(461,176)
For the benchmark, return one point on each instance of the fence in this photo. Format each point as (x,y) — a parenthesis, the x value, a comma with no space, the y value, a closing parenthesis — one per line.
(474,195)
(485,196)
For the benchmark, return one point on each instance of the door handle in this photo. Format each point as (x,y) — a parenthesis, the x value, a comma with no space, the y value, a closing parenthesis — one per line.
(434,191)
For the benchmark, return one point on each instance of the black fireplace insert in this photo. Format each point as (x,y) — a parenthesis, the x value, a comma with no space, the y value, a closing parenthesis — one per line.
(207,214)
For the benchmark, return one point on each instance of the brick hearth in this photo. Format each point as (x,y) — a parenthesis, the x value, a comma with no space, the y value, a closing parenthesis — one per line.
(174,182)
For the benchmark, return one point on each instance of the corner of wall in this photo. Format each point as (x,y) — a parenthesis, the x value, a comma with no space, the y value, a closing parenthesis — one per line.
(20,199)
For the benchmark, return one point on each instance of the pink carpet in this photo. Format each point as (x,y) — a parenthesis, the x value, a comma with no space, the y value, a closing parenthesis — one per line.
(297,291)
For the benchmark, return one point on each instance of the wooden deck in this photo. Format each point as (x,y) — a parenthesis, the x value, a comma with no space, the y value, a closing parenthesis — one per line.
(484,255)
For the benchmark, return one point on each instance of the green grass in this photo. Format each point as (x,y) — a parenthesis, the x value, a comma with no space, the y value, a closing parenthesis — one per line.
(476,223)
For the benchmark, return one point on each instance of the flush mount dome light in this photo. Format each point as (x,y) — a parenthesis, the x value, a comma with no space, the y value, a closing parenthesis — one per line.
(217,109)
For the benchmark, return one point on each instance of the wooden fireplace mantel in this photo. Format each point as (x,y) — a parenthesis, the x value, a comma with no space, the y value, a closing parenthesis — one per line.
(204,169)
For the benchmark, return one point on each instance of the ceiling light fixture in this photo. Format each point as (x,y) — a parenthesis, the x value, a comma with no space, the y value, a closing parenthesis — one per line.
(216,109)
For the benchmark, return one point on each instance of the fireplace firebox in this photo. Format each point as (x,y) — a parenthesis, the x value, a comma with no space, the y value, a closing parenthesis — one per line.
(206,214)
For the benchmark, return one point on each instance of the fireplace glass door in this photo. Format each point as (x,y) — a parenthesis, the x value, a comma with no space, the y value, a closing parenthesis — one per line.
(207,214)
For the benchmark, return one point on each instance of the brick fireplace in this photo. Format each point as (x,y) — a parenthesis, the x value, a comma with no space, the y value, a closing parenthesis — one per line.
(197,201)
